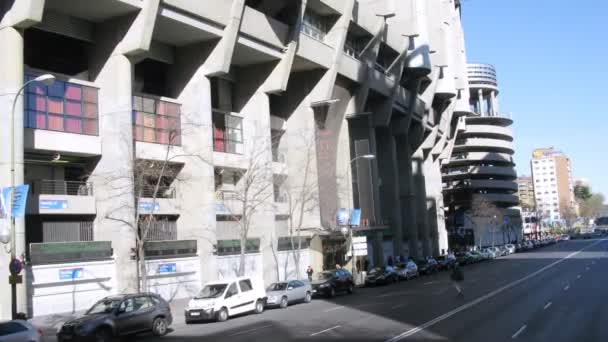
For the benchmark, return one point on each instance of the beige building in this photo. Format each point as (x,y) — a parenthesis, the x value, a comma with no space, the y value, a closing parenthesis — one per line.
(525,191)
(553,183)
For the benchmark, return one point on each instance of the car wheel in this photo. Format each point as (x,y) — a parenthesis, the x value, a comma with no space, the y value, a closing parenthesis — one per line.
(283,303)
(350,289)
(259,306)
(103,335)
(308,297)
(222,315)
(159,326)
(332,292)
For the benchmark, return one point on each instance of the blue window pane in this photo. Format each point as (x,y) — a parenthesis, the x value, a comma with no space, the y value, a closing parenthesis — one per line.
(56,89)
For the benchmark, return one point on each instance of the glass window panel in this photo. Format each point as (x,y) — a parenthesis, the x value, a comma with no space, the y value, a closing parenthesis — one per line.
(218,145)
(137,103)
(73,91)
(173,124)
(90,110)
(161,107)
(172,109)
(138,133)
(161,122)
(234,134)
(148,106)
(40,120)
(176,139)
(56,89)
(55,105)
(55,122)
(73,108)
(73,125)
(36,102)
(90,94)
(162,137)
(139,118)
(149,135)
(149,120)
(90,127)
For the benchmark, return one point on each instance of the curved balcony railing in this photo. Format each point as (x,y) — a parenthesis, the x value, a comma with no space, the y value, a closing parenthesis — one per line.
(61,187)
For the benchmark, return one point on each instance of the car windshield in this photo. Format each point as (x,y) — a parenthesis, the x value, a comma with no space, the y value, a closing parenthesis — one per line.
(104,306)
(277,287)
(211,291)
(324,275)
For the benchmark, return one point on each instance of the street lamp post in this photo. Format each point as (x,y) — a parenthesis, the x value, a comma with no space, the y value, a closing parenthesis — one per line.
(47,79)
(350,227)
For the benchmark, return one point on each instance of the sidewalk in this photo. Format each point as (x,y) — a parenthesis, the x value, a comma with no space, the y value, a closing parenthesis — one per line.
(49,324)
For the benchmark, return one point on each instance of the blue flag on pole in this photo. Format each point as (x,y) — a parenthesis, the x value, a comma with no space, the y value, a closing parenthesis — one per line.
(17,209)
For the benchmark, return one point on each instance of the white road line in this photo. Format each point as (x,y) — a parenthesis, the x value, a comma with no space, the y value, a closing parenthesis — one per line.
(398,306)
(250,330)
(334,309)
(566,287)
(487,296)
(430,282)
(547,306)
(519,331)
(326,330)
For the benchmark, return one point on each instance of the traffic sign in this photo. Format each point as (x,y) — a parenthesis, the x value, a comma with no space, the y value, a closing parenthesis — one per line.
(15,279)
(15,266)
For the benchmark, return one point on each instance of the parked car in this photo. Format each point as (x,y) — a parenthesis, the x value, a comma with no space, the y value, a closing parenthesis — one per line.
(463,258)
(18,331)
(219,300)
(328,283)
(510,248)
(485,255)
(491,252)
(407,270)
(285,292)
(495,251)
(427,266)
(476,256)
(381,276)
(117,316)
(445,262)
(565,237)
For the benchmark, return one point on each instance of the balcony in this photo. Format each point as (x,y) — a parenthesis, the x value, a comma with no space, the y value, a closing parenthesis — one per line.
(61,198)
(163,204)
(227,203)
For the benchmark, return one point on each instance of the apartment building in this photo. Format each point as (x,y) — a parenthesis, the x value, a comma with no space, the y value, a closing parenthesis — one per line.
(479,179)
(553,184)
(525,192)
(163,113)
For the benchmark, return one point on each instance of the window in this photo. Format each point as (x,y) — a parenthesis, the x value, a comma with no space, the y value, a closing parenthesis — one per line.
(314,25)
(227,133)
(232,290)
(284,243)
(245,285)
(156,121)
(127,306)
(62,106)
(233,247)
(9,328)
(141,303)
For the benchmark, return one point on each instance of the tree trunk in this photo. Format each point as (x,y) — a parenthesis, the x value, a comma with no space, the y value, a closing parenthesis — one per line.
(242,256)
(142,284)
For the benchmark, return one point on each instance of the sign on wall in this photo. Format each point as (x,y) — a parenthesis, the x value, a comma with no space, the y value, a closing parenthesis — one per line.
(17,209)
(167,268)
(71,274)
(52,204)
(355,217)
(342,216)
(148,207)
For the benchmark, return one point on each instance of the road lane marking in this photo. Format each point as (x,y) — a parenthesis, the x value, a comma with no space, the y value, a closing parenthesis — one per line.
(334,309)
(250,330)
(519,331)
(487,296)
(326,330)
(547,306)
(566,287)
(397,306)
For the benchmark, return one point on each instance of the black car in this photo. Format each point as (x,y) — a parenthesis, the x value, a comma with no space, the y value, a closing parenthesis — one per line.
(121,315)
(445,263)
(380,276)
(427,266)
(327,283)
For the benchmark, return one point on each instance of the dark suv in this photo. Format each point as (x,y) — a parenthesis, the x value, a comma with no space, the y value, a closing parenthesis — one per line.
(118,316)
(327,283)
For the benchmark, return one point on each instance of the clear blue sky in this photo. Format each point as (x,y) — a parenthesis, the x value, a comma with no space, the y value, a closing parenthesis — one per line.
(551,58)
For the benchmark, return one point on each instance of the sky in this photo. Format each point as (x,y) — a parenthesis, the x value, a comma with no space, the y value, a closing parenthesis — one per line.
(551,59)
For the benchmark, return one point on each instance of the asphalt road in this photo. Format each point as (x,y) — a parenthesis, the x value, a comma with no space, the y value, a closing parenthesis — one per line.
(555,293)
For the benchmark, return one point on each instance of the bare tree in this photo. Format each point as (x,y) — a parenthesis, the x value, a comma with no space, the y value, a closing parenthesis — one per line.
(485,210)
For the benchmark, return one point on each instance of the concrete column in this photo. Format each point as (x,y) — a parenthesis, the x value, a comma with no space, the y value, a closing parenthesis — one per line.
(420,204)
(480,101)
(11,69)
(113,182)
(494,103)
(406,184)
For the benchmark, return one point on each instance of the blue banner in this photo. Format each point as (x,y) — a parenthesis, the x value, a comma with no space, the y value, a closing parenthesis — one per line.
(342,216)
(19,200)
(148,207)
(71,274)
(53,204)
(167,268)
(355,217)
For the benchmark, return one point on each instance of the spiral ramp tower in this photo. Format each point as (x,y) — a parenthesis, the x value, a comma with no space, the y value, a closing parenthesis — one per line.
(481,167)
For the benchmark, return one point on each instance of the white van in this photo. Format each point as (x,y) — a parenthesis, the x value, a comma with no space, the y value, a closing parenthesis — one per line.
(221,299)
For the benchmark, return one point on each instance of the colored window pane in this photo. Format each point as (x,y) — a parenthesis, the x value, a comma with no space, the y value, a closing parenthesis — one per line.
(90,94)
(148,105)
(73,92)
(90,110)
(73,108)
(55,122)
(73,125)
(90,127)
(148,120)
(162,137)
(155,121)
(149,135)
(55,105)
(138,133)
(36,102)
(161,107)
(138,103)
(161,122)
(40,121)
(56,89)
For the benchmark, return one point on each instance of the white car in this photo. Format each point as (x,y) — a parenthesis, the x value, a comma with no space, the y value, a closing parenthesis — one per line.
(510,248)
(407,271)
(219,300)
(492,254)
(485,254)
(19,331)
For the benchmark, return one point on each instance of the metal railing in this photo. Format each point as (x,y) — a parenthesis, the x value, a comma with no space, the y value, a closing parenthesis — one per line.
(60,187)
(147,191)
(225,195)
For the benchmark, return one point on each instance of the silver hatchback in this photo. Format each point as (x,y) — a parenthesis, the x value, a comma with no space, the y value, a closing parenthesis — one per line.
(19,331)
(283,293)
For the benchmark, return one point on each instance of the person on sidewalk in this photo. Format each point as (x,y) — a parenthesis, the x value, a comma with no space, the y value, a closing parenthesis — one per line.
(457,278)
(309,272)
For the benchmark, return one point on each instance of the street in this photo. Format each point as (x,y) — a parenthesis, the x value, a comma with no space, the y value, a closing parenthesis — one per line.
(549,294)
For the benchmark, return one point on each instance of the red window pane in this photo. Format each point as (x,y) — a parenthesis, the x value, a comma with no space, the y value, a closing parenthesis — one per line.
(176,139)
(174,124)
(172,109)
(139,118)
(35,102)
(37,88)
(161,107)
(90,110)
(161,122)
(73,108)
(149,135)
(55,122)
(90,94)
(73,125)
(90,127)
(73,92)
(148,120)
(40,120)
(55,105)
(162,137)
(138,133)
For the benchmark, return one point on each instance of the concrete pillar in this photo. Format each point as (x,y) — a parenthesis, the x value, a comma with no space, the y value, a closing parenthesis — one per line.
(420,201)
(115,220)
(11,69)
(494,103)
(406,185)
(480,101)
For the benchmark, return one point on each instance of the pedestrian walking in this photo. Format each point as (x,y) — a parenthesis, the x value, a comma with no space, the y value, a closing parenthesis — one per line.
(309,272)
(457,278)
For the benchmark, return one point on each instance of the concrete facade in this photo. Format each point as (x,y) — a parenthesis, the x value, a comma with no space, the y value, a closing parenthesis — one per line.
(293,90)
(553,184)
